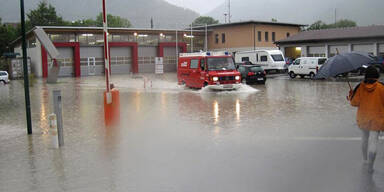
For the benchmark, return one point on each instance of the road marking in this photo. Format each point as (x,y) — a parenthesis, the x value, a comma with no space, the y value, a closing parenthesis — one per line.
(332,138)
(317,138)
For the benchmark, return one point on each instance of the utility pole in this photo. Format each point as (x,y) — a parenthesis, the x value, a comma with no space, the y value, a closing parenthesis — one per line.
(229,11)
(225,17)
(335,16)
(191,38)
(25,67)
(206,38)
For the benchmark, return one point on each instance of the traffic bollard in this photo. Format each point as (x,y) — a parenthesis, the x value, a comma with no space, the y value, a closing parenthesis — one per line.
(58,111)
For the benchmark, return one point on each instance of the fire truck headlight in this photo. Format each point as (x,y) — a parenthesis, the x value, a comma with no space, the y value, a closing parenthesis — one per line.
(215,78)
(237,77)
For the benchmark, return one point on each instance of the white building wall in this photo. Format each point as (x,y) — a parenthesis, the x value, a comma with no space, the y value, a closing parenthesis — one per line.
(35,55)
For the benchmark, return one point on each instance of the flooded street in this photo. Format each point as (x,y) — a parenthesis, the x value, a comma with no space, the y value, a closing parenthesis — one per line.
(288,135)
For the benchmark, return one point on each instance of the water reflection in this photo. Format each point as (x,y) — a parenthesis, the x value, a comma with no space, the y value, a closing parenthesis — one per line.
(237,110)
(216,112)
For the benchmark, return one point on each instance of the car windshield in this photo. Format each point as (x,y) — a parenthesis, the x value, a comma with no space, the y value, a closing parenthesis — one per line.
(3,74)
(277,57)
(220,63)
(322,61)
(256,69)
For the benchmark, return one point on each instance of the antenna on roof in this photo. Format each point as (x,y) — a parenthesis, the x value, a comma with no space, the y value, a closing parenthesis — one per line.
(229,11)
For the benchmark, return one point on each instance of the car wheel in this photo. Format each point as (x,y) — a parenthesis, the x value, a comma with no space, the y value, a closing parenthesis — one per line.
(3,82)
(312,75)
(292,75)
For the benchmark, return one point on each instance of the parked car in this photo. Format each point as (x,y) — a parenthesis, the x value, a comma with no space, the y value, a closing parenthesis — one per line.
(4,77)
(251,74)
(306,66)
(378,63)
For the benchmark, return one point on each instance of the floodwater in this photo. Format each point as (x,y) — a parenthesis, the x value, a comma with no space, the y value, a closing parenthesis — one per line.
(288,135)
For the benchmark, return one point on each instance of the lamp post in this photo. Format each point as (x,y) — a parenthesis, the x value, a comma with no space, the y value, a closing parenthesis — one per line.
(25,68)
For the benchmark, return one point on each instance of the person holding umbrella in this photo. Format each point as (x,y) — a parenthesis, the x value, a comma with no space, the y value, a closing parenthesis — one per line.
(368,97)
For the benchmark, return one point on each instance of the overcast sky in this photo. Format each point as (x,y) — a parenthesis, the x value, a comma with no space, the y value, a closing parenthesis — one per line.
(200,6)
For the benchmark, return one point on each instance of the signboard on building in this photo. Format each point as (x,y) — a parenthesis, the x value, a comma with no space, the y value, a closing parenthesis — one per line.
(159,66)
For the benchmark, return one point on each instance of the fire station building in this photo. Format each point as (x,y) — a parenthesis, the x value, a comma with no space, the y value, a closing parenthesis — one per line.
(131,50)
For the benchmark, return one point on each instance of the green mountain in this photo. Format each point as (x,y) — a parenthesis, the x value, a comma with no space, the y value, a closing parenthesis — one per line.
(364,12)
(139,12)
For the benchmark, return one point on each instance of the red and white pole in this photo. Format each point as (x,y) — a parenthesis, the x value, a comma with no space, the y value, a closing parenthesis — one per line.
(106,53)
(111,95)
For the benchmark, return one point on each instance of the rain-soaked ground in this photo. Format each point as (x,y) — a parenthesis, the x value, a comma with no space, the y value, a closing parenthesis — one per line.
(288,135)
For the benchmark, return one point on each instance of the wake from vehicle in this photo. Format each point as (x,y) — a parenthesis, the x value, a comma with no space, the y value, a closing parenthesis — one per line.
(157,84)
(243,89)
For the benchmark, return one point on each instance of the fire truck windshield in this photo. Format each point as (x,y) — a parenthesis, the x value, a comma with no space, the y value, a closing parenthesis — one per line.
(220,63)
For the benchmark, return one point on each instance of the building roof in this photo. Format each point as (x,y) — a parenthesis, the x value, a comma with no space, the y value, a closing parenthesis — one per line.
(250,22)
(66,29)
(375,31)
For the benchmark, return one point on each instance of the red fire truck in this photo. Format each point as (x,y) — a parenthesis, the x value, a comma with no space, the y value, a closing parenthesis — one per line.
(215,70)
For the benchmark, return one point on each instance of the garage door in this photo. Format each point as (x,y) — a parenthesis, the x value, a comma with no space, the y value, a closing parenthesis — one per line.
(340,48)
(381,49)
(170,59)
(316,51)
(92,61)
(121,60)
(66,62)
(146,59)
(367,48)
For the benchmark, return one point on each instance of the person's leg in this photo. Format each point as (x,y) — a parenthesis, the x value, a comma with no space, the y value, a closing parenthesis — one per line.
(372,147)
(364,145)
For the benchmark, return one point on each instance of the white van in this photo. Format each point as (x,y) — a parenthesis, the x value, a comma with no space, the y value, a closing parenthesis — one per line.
(306,66)
(268,59)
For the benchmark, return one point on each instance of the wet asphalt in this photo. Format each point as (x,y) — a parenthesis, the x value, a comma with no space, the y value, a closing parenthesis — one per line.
(291,135)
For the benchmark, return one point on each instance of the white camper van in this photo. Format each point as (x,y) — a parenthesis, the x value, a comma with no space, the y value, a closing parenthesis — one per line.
(268,59)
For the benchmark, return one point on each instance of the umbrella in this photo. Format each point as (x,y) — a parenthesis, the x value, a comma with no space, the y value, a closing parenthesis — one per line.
(343,63)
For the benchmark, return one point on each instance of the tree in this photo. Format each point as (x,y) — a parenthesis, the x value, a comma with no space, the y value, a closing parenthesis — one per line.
(113,21)
(340,24)
(44,15)
(318,25)
(202,20)
(343,23)
(7,34)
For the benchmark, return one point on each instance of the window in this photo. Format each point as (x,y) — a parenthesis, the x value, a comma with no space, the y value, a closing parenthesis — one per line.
(266,36)
(277,57)
(216,38)
(322,61)
(220,63)
(263,58)
(297,62)
(245,59)
(259,35)
(273,36)
(202,64)
(241,69)
(194,64)
(223,38)
(288,34)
